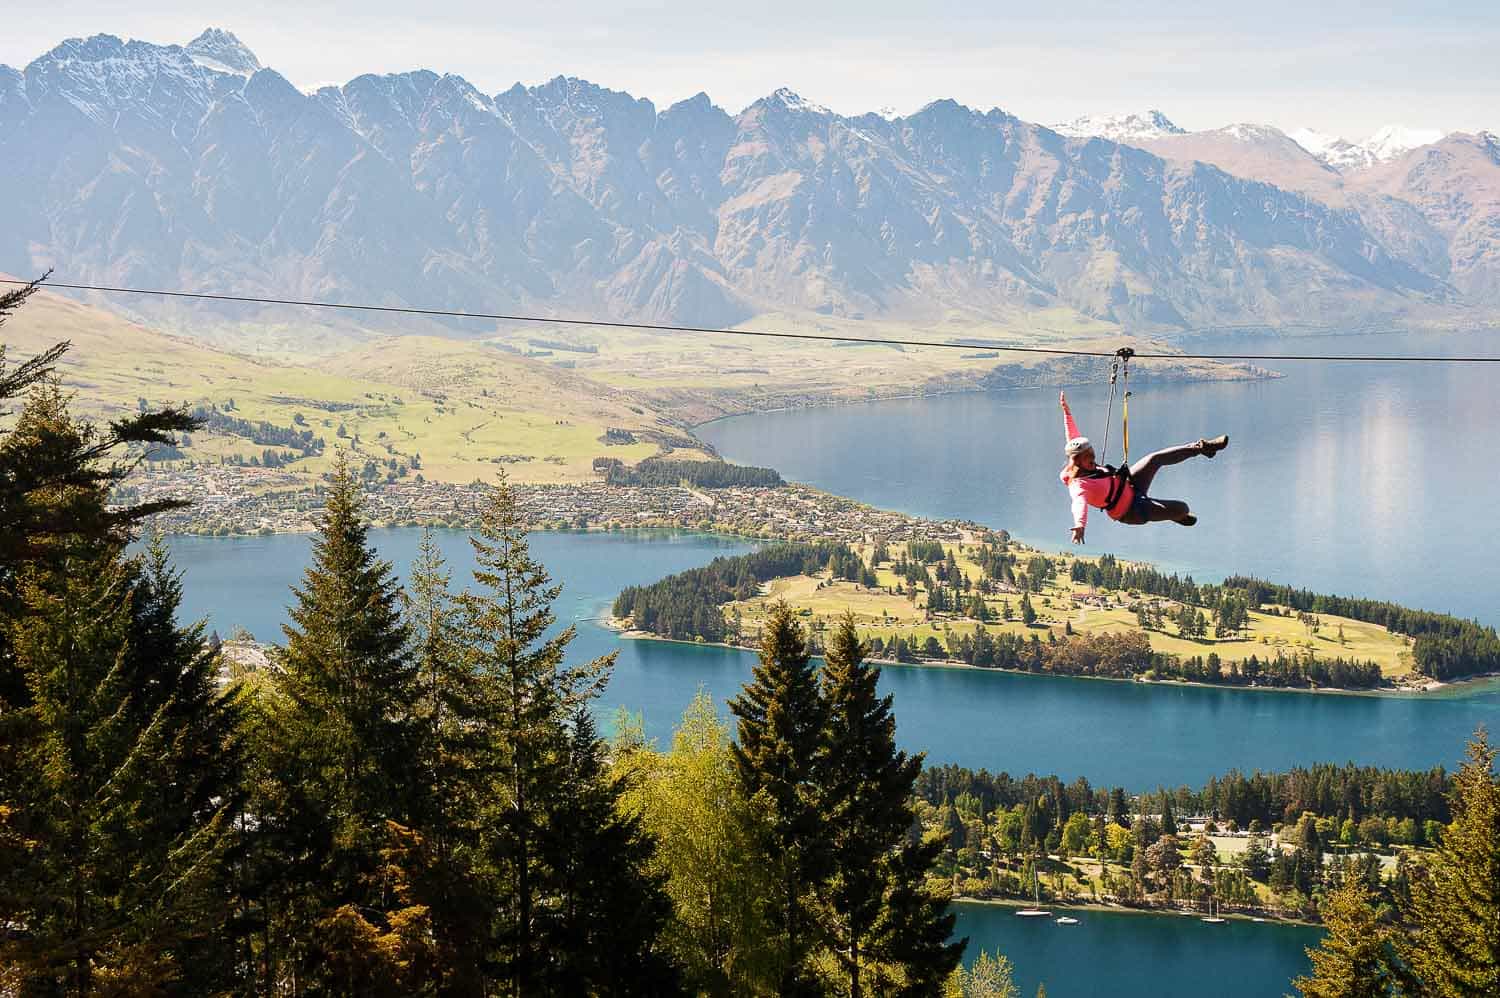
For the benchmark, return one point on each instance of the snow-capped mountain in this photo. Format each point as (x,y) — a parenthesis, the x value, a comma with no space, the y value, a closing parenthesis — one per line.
(1385,145)
(1260,152)
(1341,154)
(190,166)
(1126,128)
(220,51)
(1394,140)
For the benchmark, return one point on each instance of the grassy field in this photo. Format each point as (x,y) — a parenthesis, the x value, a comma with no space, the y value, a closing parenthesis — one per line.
(1061,605)
(465,408)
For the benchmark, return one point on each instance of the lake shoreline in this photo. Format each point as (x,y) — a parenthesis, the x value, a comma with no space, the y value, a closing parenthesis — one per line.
(1121,909)
(1453,688)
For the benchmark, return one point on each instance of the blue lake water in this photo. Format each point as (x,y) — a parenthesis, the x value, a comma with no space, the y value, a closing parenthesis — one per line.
(1130,734)
(1130,954)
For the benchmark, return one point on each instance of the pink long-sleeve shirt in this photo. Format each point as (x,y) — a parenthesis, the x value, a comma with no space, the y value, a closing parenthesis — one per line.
(1090,490)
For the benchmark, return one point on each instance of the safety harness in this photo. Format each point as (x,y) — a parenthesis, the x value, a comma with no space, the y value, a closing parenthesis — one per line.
(1121,490)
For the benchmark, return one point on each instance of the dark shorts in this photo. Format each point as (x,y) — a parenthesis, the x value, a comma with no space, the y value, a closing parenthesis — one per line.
(1141,508)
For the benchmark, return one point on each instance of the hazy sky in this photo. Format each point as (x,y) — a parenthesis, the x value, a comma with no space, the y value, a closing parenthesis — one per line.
(1343,67)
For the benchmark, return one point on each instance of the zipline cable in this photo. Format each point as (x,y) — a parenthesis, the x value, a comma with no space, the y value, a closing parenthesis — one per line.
(759,333)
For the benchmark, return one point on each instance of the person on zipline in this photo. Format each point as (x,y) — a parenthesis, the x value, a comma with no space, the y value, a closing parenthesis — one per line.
(1121,492)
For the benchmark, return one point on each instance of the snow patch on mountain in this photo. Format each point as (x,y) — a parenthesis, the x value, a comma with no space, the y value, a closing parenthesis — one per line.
(1386,144)
(1137,127)
(796,102)
(1393,140)
(1316,142)
(222,52)
(1245,131)
(1341,154)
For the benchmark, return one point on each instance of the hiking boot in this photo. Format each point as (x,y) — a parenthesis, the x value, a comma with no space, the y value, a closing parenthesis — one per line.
(1211,447)
(1190,519)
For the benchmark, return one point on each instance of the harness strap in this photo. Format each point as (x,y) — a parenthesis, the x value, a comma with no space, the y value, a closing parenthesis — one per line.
(1119,484)
(1109,410)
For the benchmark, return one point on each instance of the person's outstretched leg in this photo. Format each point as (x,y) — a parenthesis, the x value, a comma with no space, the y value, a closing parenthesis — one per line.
(1147,510)
(1143,471)
(1172,509)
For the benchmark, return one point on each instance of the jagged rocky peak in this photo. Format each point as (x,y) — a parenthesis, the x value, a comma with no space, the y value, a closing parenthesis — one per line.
(220,50)
(1135,127)
(792,101)
(584,97)
(94,48)
(699,103)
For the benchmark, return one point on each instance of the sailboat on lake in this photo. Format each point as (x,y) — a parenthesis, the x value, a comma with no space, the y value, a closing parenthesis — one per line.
(1035,911)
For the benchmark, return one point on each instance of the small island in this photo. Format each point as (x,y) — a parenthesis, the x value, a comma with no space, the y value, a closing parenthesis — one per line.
(987,602)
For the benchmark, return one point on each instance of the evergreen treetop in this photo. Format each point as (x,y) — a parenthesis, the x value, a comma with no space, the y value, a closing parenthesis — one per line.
(1456,894)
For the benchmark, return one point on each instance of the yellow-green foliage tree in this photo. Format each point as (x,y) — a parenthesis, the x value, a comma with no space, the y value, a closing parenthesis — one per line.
(709,837)
(988,977)
(1356,959)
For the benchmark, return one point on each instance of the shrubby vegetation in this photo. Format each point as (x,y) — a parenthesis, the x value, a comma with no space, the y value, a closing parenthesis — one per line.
(662,471)
(687,606)
(1127,655)
(1435,928)
(259,432)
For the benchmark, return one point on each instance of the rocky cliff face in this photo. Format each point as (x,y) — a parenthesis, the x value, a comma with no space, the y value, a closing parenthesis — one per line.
(194,167)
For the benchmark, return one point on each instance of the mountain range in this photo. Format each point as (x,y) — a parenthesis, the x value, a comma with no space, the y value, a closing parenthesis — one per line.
(194,166)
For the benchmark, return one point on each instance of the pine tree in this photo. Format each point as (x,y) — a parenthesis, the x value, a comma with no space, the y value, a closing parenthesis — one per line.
(779,752)
(865,793)
(1356,959)
(349,674)
(915,927)
(1456,895)
(122,760)
(447,691)
(453,786)
(544,797)
(612,904)
(1028,612)
(50,479)
(344,764)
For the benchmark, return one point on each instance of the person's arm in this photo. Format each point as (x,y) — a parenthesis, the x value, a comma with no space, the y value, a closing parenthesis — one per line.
(1070,428)
(1080,510)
